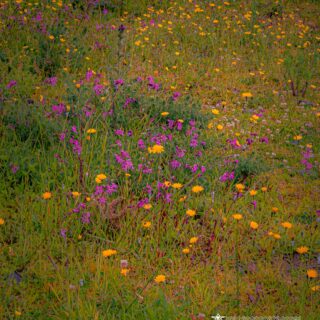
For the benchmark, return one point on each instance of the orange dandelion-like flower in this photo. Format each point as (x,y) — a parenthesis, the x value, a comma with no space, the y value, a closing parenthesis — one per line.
(109,252)
(160,278)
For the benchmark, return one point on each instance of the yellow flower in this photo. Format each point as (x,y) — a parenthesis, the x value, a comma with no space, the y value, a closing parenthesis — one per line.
(219,127)
(191,213)
(160,278)
(51,37)
(240,187)
(197,189)
(247,95)
(18,313)
(1,221)
(274,209)
(254,225)
(253,192)
(75,194)
(193,240)
(146,224)
(91,130)
(167,184)
(215,111)
(46,195)
(186,250)
(98,180)
(237,216)
(124,271)
(312,273)
(276,235)
(88,199)
(315,288)
(157,148)
(164,114)
(182,198)
(287,225)
(297,138)
(147,206)
(101,176)
(109,252)
(264,189)
(302,250)
(177,186)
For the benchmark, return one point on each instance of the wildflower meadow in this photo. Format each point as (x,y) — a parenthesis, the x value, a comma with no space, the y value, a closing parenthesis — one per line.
(159,159)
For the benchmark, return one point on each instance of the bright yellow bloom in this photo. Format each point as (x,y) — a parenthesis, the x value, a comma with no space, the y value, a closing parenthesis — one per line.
(1,221)
(182,198)
(197,189)
(237,216)
(186,250)
(254,225)
(297,138)
(276,235)
(219,127)
(193,240)
(109,252)
(146,224)
(240,187)
(287,225)
(147,206)
(247,95)
(302,250)
(253,192)
(160,278)
(98,180)
(124,271)
(167,184)
(101,176)
(315,288)
(274,209)
(46,195)
(264,189)
(191,213)
(157,148)
(215,111)
(177,186)
(18,313)
(91,130)
(164,114)
(75,194)
(312,273)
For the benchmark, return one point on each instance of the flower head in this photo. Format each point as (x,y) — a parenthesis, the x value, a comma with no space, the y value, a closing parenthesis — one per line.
(160,278)
(197,189)
(109,252)
(46,195)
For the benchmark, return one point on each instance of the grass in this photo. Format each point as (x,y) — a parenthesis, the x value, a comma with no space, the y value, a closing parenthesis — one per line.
(230,90)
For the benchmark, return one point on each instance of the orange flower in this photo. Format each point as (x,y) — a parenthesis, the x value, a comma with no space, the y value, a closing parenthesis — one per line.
(46,195)
(254,225)
(312,273)
(160,278)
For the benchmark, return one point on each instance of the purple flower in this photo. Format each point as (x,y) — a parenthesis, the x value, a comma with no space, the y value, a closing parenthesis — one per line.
(52,81)
(141,144)
(119,132)
(180,153)
(14,168)
(227,176)
(175,96)
(264,140)
(175,164)
(11,84)
(118,83)
(98,89)
(86,218)
(58,109)
(76,146)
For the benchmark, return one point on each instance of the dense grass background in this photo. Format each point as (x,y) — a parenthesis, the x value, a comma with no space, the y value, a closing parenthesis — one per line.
(235,85)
